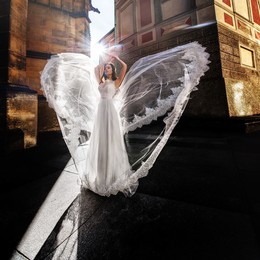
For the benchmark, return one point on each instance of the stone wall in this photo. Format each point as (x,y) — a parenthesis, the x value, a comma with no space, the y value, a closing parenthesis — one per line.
(22,108)
(53,27)
(190,21)
(4,39)
(17,42)
(31,31)
(242,83)
(19,103)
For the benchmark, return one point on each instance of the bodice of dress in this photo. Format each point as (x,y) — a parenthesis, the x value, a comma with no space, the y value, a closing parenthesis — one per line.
(107,89)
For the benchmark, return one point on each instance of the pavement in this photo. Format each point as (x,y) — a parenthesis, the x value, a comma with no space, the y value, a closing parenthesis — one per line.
(201,200)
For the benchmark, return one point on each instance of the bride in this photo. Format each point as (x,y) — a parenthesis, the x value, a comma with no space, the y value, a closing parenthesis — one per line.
(96,107)
(107,161)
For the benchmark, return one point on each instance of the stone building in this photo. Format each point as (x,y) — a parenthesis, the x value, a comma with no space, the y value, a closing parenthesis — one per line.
(31,31)
(230,31)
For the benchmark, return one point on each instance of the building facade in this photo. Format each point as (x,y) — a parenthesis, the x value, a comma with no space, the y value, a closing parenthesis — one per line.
(31,31)
(229,29)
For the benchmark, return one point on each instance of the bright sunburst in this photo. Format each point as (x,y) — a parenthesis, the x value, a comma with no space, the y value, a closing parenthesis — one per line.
(96,50)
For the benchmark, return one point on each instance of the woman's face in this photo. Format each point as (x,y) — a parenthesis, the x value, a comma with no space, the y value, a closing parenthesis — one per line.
(108,69)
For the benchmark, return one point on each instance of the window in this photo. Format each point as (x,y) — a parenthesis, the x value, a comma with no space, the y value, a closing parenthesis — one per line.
(145,14)
(126,22)
(241,8)
(172,8)
(247,57)
(255,11)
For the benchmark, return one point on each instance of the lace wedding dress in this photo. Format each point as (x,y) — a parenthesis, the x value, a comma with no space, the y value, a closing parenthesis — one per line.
(107,165)
(95,118)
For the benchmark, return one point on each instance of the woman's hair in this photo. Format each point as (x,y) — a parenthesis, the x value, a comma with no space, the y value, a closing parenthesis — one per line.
(114,77)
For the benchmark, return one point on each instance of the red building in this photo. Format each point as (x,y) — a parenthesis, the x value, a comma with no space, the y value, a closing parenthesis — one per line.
(229,29)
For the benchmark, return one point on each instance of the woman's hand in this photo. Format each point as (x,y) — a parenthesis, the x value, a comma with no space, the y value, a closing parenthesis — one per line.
(112,56)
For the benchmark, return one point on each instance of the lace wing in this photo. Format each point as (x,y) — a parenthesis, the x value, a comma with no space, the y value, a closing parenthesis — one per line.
(158,87)
(70,87)
(153,83)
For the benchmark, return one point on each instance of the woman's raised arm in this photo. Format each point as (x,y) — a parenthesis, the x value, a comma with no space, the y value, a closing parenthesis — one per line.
(122,73)
(99,70)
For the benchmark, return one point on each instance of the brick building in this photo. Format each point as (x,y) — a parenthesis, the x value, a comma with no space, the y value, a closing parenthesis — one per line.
(229,29)
(31,31)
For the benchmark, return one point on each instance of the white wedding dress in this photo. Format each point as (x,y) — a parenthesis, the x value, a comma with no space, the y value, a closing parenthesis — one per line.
(95,118)
(107,165)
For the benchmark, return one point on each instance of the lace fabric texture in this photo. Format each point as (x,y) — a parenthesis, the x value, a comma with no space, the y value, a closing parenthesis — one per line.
(94,119)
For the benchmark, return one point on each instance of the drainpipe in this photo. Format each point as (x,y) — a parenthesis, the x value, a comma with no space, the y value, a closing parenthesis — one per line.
(114,22)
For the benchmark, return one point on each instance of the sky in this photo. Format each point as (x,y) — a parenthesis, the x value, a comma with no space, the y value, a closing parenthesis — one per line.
(101,23)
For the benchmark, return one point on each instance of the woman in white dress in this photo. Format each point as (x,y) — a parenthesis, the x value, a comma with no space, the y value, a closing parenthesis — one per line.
(107,162)
(96,108)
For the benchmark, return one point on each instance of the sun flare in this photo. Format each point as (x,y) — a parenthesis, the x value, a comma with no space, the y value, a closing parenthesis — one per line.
(96,50)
